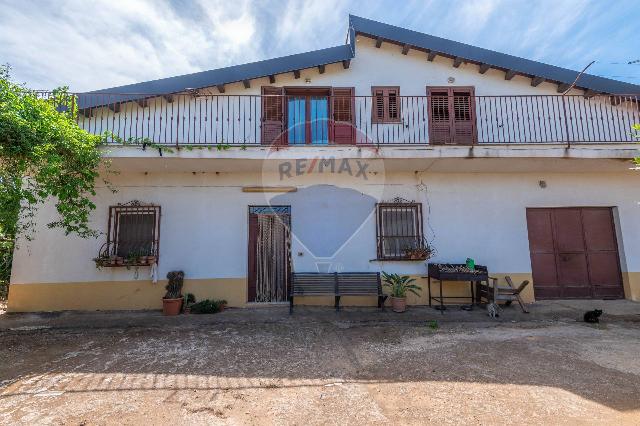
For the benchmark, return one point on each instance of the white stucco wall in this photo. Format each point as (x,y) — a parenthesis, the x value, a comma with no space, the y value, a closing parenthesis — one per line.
(204,222)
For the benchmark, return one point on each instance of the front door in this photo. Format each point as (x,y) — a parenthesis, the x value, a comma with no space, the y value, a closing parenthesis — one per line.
(574,253)
(269,253)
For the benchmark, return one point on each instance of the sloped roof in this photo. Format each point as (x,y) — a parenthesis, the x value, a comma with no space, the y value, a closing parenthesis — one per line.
(479,55)
(219,76)
(366,27)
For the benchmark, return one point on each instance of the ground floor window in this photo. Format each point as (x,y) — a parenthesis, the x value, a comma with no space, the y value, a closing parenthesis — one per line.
(399,230)
(134,230)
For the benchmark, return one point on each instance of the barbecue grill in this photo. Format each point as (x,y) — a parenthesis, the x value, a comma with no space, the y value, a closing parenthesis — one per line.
(444,272)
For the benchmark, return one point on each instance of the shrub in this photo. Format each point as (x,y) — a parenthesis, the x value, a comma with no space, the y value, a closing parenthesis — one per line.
(206,307)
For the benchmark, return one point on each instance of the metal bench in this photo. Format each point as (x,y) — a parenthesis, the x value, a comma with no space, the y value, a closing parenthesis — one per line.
(336,285)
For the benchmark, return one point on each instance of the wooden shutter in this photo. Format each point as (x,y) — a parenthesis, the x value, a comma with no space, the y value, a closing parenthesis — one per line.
(440,122)
(451,115)
(273,108)
(393,109)
(343,112)
(378,106)
(463,114)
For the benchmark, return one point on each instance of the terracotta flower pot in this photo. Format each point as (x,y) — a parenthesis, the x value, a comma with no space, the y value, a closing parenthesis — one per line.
(171,307)
(399,304)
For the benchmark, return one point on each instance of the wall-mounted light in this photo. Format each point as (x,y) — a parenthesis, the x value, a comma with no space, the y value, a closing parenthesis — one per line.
(307,80)
(451,80)
(542,183)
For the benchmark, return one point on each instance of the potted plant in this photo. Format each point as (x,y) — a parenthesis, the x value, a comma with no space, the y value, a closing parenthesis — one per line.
(172,300)
(399,285)
(222,304)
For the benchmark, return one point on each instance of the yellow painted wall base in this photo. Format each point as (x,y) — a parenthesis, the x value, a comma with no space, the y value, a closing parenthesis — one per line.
(117,295)
(631,282)
(142,294)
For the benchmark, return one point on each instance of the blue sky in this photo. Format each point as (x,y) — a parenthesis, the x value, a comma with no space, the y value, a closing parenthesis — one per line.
(103,43)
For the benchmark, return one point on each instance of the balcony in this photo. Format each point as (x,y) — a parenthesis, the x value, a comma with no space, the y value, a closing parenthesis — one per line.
(195,119)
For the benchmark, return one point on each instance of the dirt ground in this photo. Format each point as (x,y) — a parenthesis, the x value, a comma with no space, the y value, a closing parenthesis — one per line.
(319,368)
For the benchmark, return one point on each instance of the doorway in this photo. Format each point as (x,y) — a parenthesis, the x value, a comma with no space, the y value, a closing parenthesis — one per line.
(269,253)
(574,253)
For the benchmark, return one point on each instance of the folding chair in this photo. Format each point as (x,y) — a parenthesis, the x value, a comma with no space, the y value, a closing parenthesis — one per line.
(509,293)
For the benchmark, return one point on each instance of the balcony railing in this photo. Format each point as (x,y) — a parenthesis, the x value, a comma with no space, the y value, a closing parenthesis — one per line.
(239,120)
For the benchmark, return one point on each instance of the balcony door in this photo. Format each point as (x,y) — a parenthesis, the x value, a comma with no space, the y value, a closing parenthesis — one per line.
(308,118)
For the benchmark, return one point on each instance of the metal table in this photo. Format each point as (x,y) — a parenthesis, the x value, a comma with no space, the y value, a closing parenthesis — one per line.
(435,271)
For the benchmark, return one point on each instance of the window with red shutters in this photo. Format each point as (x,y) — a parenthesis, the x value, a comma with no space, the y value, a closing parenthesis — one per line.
(386,104)
(452,117)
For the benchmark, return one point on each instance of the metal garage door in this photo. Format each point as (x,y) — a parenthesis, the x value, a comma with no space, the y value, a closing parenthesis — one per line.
(574,253)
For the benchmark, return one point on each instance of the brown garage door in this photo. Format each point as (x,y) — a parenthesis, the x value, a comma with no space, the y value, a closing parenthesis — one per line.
(574,253)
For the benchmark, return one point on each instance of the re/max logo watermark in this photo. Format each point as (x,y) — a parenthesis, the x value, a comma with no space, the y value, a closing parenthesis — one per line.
(303,166)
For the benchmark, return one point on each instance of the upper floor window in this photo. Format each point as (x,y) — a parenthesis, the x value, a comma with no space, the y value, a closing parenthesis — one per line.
(399,230)
(452,118)
(386,104)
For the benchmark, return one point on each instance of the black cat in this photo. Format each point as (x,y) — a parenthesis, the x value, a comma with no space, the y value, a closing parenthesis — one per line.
(593,316)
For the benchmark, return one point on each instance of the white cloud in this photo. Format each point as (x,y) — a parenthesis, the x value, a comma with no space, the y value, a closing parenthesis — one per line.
(105,43)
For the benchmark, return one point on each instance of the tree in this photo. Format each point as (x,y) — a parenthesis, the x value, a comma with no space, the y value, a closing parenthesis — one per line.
(636,134)
(44,155)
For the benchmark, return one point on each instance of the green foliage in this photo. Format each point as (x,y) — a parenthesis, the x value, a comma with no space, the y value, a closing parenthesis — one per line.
(207,306)
(399,285)
(44,155)
(188,300)
(433,324)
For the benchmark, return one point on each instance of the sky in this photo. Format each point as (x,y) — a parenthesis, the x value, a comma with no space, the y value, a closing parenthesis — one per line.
(96,44)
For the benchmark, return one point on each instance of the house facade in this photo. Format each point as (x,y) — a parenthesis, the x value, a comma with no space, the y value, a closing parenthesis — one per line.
(353,158)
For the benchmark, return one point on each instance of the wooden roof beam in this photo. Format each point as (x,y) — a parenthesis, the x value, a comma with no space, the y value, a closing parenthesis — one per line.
(115,107)
(220,88)
(405,49)
(537,81)
(378,42)
(272,79)
(562,87)
(296,73)
(483,68)
(457,61)
(246,84)
(431,56)
(168,98)
(321,69)
(346,63)
(509,74)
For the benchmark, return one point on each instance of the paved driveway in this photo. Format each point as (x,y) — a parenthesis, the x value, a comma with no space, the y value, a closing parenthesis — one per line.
(263,367)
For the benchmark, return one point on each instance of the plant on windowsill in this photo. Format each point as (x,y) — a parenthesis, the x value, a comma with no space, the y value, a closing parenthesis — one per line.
(423,252)
(399,285)
(172,300)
